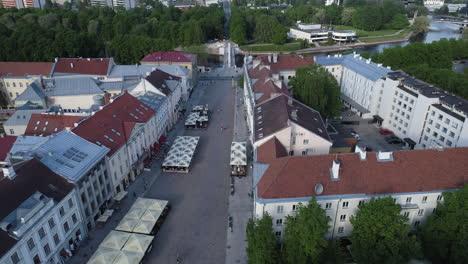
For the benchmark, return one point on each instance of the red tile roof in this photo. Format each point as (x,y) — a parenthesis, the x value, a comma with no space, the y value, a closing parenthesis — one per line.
(45,124)
(410,171)
(91,66)
(169,56)
(268,88)
(158,79)
(24,68)
(113,125)
(286,62)
(6,143)
(259,72)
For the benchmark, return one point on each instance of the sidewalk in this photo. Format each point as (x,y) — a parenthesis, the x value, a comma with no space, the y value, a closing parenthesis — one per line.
(97,235)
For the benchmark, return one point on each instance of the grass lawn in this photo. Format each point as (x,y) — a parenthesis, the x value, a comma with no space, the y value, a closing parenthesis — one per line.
(363,33)
(402,34)
(271,47)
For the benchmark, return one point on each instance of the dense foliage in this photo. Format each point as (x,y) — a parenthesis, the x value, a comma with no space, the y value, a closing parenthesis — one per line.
(261,241)
(40,35)
(304,235)
(445,233)
(270,26)
(431,63)
(317,88)
(380,234)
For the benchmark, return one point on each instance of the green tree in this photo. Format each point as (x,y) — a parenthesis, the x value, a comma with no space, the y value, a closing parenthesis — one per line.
(380,234)
(444,236)
(442,11)
(261,241)
(420,25)
(304,235)
(333,253)
(399,21)
(317,88)
(200,50)
(368,18)
(347,16)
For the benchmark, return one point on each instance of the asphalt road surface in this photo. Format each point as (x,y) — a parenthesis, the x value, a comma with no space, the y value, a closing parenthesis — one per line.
(195,229)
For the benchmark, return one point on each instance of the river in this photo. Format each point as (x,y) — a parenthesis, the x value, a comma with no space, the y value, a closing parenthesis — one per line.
(437,31)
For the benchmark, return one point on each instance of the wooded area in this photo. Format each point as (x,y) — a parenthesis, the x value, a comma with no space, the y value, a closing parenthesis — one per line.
(128,35)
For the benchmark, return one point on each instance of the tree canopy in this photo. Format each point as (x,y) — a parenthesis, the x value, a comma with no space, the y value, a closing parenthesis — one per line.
(317,88)
(444,236)
(380,234)
(261,241)
(41,34)
(304,235)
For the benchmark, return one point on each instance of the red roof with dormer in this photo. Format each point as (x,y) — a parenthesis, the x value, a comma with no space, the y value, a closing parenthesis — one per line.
(169,56)
(87,66)
(48,124)
(25,68)
(112,126)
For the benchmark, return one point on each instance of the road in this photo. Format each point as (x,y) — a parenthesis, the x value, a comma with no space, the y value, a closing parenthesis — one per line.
(195,229)
(229,55)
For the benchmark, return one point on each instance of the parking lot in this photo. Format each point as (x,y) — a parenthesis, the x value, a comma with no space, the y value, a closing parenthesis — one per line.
(369,134)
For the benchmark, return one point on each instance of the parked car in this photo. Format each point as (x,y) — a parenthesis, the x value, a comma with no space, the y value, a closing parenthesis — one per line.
(385,132)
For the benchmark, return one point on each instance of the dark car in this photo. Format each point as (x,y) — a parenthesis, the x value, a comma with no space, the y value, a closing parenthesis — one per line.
(395,142)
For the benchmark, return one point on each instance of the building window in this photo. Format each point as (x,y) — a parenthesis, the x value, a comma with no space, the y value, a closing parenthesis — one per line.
(62,211)
(441,138)
(74,219)
(294,207)
(406,214)
(56,239)
(66,227)
(425,138)
(447,121)
(278,233)
(361,202)
(12,132)
(279,221)
(428,130)
(424,199)
(343,217)
(341,229)
(306,141)
(439,198)
(440,117)
(51,223)
(31,243)
(47,249)
(437,125)
(279,209)
(451,134)
(408,200)
(449,143)
(435,134)
(328,206)
(454,125)
(37,260)
(70,202)
(345,204)
(434,210)
(41,233)
(14,258)
(421,212)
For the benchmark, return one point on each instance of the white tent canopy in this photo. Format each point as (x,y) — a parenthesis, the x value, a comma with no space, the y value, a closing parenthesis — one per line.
(238,154)
(181,153)
(103,256)
(142,216)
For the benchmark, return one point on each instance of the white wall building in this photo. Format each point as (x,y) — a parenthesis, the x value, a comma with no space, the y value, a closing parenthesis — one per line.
(42,220)
(316,33)
(341,182)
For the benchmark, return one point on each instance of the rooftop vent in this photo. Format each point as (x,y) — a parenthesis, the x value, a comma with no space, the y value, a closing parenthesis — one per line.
(71,65)
(335,169)
(9,172)
(318,189)
(362,153)
(294,114)
(385,156)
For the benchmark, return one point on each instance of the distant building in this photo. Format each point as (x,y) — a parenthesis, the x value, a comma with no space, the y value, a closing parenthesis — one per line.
(415,179)
(97,68)
(40,216)
(188,61)
(23,3)
(331,2)
(432,5)
(46,124)
(16,76)
(318,33)
(127,4)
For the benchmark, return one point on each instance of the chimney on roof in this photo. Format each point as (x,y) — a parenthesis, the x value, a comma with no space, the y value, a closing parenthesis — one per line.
(385,156)
(290,101)
(362,152)
(379,65)
(56,59)
(89,59)
(388,67)
(368,61)
(275,58)
(335,170)
(9,171)
(2,135)
(71,65)
(294,114)
(269,58)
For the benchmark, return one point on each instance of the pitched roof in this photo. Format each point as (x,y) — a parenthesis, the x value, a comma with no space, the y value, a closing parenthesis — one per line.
(259,72)
(25,68)
(47,124)
(143,70)
(264,89)
(275,114)
(409,171)
(6,143)
(34,92)
(89,66)
(169,56)
(21,117)
(31,176)
(270,151)
(286,62)
(69,86)
(158,79)
(108,126)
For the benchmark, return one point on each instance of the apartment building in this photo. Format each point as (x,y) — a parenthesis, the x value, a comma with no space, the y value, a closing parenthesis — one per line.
(299,128)
(423,115)
(188,61)
(340,182)
(127,4)
(128,128)
(42,221)
(15,77)
(317,33)
(22,3)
